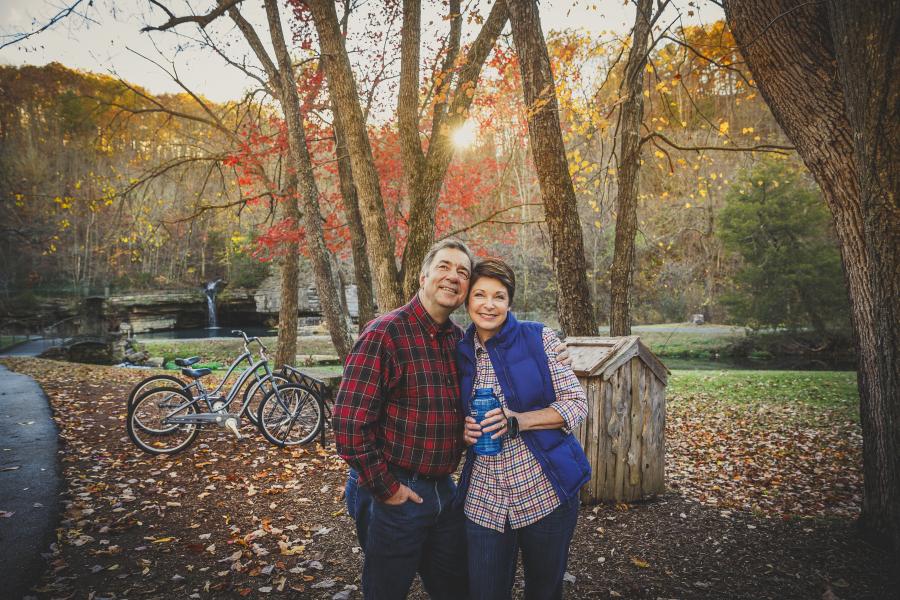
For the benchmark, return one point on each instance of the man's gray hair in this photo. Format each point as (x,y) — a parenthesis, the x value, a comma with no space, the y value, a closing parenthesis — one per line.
(442,245)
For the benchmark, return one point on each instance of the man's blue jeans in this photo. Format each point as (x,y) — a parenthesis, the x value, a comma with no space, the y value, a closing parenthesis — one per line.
(399,541)
(545,550)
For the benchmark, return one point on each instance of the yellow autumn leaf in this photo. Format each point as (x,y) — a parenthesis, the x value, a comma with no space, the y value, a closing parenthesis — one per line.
(639,563)
(723,127)
(288,550)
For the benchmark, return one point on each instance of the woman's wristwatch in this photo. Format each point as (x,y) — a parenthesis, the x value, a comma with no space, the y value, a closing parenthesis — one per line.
(512,427)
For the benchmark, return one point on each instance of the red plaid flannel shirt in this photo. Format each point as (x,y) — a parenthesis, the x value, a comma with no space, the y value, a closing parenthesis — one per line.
(398,402)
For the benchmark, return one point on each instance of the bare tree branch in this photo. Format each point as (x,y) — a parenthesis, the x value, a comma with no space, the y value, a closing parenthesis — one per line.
(62,14)
(240,202)
(201,20)
(776,149)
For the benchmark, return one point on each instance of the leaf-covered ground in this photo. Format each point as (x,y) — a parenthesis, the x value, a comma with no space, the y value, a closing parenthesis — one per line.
(775,443)
(762,495)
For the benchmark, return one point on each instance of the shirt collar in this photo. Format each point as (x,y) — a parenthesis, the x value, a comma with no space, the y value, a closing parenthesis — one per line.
(478,344)
(431,326)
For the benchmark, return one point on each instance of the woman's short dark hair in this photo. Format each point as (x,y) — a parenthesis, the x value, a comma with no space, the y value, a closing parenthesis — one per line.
(498,269)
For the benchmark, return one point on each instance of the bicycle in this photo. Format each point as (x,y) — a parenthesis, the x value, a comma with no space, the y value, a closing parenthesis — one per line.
(195,388)
(322,389)
(166,420)
(294,415)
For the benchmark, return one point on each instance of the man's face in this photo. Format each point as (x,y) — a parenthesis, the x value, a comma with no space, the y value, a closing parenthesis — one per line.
(447,281)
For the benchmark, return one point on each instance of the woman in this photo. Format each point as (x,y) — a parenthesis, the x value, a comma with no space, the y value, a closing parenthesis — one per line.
(526,497)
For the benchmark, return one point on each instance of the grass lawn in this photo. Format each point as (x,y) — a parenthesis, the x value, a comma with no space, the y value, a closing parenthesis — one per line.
(826,389)
(684,340)
(680,340)
(223,351)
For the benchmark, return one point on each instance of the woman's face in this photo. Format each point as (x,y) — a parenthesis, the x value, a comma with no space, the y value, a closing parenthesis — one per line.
(488,306)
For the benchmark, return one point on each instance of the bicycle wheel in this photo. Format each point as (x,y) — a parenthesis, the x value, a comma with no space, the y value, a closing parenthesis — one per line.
(291,415)
(148,425)
(256,392)
(154,381)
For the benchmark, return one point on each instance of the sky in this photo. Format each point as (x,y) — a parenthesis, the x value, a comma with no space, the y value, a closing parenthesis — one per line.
(105,37)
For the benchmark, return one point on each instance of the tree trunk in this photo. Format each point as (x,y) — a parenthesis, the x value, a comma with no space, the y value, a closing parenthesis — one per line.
(428,178)
(408,99)
(866,38)
(342,88)
(630,119)
(365,296)
(329,300)
(286,352)
(573,298)
(828,84)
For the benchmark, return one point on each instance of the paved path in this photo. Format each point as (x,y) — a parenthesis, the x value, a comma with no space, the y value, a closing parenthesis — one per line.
(29,482)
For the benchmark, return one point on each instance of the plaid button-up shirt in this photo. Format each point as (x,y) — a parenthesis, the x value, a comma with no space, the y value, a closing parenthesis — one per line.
(398,402)
(511,486)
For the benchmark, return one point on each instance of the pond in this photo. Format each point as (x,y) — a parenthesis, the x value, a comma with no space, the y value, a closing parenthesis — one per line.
(207,333)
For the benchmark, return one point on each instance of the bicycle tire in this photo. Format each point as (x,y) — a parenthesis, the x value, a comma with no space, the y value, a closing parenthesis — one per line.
(258,392)
(154,406)
(147,384)
(291,415)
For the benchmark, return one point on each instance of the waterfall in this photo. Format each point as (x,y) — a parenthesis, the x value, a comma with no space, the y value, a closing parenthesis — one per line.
(211,289)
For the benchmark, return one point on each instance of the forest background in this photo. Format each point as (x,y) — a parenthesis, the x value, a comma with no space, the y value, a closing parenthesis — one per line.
(666,187)
(107,186)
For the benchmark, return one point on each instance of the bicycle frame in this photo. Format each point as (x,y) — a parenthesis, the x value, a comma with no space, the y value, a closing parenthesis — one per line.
(214,393)
(201,418)
(214,396)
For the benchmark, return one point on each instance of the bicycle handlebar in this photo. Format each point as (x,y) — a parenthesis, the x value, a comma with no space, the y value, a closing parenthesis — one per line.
(249,340)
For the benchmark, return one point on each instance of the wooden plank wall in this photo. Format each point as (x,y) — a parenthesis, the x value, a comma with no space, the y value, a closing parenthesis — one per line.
(624,434)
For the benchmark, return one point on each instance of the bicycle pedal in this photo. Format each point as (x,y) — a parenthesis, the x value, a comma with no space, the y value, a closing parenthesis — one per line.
(232,425)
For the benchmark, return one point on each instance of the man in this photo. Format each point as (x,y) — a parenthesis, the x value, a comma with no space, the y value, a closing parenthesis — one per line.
(398,424)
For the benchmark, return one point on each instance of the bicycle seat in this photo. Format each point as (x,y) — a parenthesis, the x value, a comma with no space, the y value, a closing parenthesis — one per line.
(195,373)
(186,362)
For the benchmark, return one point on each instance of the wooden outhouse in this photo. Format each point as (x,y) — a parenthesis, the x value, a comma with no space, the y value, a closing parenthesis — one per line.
(624,432)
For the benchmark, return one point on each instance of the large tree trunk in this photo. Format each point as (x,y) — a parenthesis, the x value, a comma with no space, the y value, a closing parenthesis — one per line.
(425,176)
(828,84)
(342,88)
(365,296)
(290,104)
(631,116)
(866,39)
(286,352)
(576,316)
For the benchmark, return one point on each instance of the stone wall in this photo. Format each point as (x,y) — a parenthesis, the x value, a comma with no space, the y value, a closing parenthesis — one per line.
(163,310)
(268,295)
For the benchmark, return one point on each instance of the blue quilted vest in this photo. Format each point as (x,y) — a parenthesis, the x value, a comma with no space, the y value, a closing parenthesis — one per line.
(520,362)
